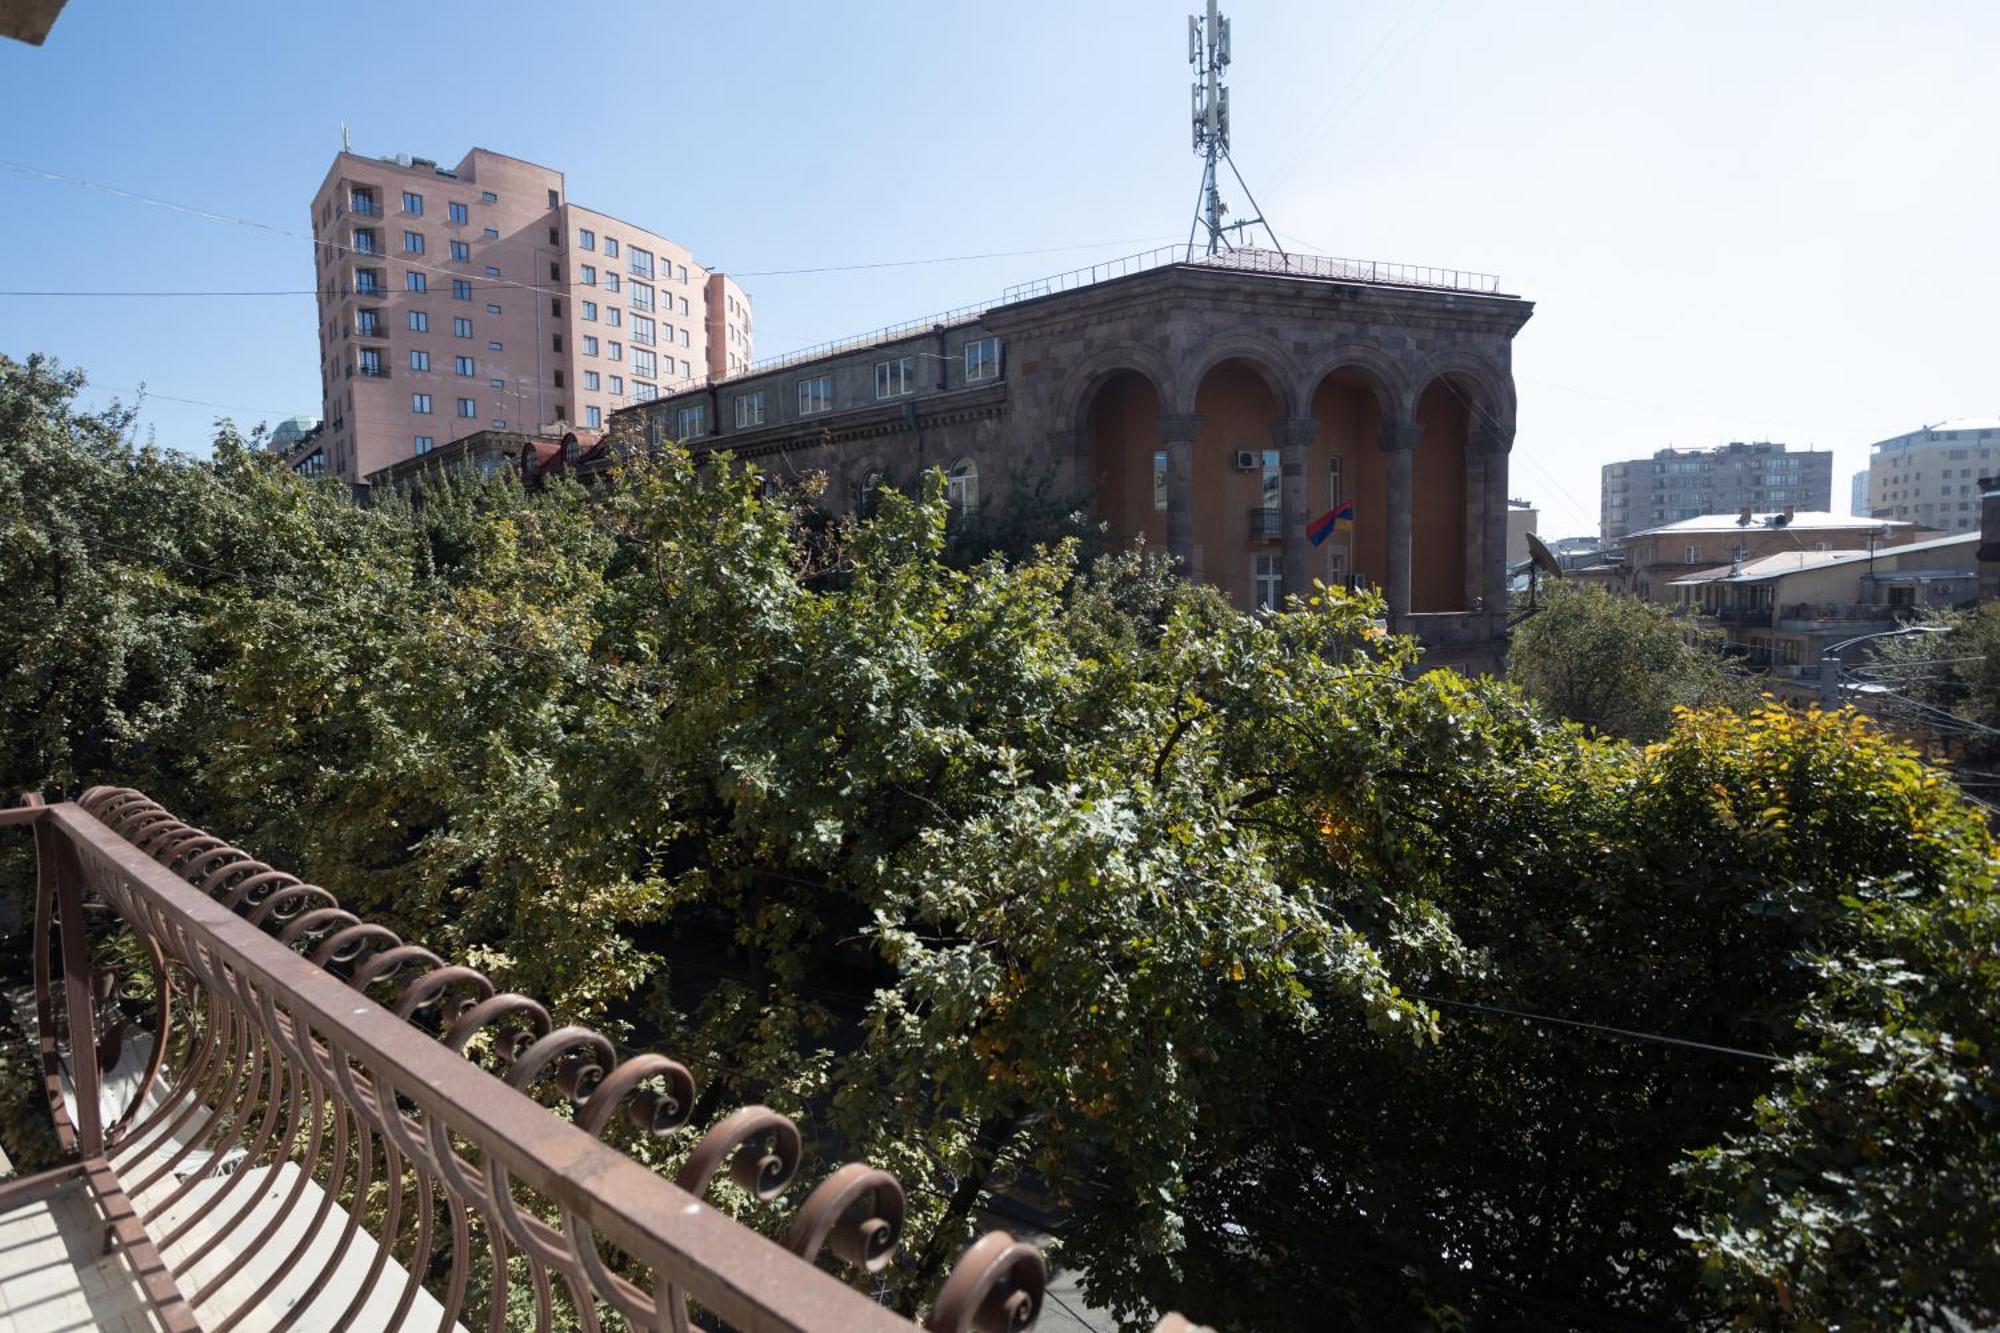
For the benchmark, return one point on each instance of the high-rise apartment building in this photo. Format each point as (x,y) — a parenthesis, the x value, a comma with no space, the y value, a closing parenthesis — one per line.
(479,297)
(1931,475)
(1683,483)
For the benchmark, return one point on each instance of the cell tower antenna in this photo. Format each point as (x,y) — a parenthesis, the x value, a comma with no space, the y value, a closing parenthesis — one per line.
(346,138)
(1208,53)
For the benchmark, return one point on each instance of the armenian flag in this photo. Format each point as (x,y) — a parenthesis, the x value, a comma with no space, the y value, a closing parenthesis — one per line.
(1328,523)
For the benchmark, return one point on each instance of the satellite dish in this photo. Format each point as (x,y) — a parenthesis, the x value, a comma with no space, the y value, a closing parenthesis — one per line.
(1543,558)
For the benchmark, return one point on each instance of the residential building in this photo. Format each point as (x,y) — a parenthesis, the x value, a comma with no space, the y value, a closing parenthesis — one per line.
(1857,499)
(1212,408)
(1677,484)
(1654,558)
(1521,520)
(1784,609)
(1931,475)
(29,20)
(480,297)
(290,433)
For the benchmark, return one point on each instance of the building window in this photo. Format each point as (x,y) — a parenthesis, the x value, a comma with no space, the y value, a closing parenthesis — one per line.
(618,385)
(488,197)
(749,409)
(611,282)
(555,306)
(461,252)
(895,378)
(496,384)
(642,296)
(492,270)
(462,365)
(559,384)
(611,247)
(425,444)
(961,486)
(461,328)
(493,346)
(643,392)
(613,316)
(457,213)
(461,289)
(590,310)
(593,417)
(982,360)
(419,359)
(682,273)
(468,407)
(589,345)
(690,422)
(558,342)
(1267,575)
(415,282)
(1160,480)
(815,395)
(586,239)
(413,242)
(589,278)
(492,309)
(1690,554)
(642,362)
(639,261)
(615,351)
(421,403)
(419,322)
(642,331)
(590,380)
(369,363)
(490,233)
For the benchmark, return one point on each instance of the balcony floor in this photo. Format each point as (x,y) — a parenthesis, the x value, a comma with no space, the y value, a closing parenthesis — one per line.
(52,1276)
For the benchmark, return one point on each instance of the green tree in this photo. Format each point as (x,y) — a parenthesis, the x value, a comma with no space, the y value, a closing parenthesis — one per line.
(1619,665)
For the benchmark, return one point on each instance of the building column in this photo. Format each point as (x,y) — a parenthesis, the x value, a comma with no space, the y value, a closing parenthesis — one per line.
(1493,444)
(1398,439)
(1292,436)
(1177,436)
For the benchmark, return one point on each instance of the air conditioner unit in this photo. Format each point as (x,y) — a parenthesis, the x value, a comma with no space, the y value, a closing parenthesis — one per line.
(1248,460)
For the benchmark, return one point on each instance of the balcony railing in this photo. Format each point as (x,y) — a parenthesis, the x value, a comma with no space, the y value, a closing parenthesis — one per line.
(1810,612)
(372,372)
(281,1112)
(1266,524)
(365,207)
(1743,615)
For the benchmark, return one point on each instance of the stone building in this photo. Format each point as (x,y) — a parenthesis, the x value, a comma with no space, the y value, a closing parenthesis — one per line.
(1213,408)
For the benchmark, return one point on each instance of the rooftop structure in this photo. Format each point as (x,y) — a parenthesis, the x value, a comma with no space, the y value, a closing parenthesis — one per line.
(1655,557)
(283,1116)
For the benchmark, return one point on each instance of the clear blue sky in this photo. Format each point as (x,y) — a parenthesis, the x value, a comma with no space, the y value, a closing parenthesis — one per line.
(1738,220)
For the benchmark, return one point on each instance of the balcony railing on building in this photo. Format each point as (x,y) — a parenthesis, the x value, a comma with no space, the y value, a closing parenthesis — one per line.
(1842,614)
(281,1115)
(1266,524)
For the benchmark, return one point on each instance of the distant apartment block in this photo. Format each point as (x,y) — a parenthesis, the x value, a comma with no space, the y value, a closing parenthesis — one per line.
(1685,483)
(480,298)
(1931,475)
(1857,499)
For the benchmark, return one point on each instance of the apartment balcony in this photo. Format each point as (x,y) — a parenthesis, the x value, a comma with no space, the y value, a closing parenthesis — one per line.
(1741,615)
(193,1195)
(372,372)
(1813,615)
(1266,524)
(364,207)
(372,292)
(374,330)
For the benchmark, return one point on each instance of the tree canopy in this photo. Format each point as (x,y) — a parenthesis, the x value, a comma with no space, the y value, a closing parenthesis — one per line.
(1306,991)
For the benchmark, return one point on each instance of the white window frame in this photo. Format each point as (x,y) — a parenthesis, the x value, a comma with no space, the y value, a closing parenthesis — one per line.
(896,377)
(1267,582)
(815,395)
(961,486)
(749,409)
(982,360)
(691,422)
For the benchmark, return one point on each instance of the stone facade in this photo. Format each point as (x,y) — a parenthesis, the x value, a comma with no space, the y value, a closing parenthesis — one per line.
(1211,408)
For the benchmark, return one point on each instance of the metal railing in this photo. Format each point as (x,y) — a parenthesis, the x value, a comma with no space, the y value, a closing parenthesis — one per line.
(1839,614)
(323,1123)
(1266,523)
(1371,271)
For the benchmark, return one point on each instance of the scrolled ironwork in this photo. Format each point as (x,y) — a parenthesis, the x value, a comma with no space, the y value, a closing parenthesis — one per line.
(761,1172)
(996,1287)
(857,1212)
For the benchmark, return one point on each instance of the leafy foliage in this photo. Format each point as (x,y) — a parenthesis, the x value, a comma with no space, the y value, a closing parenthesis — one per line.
(1619,665)
(1049,873)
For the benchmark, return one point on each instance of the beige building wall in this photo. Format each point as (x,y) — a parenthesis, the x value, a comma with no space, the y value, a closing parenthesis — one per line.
(1931,475)
(477,297)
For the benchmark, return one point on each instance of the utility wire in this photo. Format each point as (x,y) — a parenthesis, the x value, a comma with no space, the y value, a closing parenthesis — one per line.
(1627,1033)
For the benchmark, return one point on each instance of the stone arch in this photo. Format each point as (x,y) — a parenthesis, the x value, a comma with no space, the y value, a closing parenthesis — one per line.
(1083,381)
(1486,389)
(1395,395)
(1118,447)
(1272,361)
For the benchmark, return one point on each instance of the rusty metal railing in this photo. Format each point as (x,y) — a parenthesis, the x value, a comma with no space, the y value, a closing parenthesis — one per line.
(326,1124)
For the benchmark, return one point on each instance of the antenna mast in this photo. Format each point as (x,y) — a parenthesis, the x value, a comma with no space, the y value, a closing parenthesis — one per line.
(1208,53)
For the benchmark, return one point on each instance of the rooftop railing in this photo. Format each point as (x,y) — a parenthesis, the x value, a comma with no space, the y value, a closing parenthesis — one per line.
(287,1116)
(1274,262)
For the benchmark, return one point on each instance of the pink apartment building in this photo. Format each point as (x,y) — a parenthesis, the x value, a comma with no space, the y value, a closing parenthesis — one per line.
(479,297)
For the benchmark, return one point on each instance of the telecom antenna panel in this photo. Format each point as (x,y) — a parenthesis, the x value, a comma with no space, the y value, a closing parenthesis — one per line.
(1208,53)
